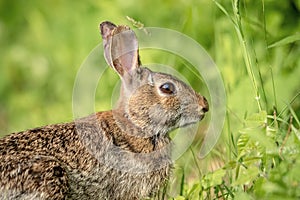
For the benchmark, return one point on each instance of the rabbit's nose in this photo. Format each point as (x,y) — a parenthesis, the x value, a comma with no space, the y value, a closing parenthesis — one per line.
(203,102)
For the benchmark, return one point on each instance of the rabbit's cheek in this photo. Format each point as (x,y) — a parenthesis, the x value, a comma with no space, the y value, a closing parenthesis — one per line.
(170,103)
(165,119)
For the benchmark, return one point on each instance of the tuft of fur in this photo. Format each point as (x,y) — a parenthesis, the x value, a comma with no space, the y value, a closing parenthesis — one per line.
(119,154)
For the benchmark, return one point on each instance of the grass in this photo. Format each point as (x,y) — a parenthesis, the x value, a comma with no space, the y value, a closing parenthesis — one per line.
(255,44)
(262,155)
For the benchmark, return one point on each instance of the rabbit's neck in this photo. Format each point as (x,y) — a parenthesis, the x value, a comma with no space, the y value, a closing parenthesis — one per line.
(128,136)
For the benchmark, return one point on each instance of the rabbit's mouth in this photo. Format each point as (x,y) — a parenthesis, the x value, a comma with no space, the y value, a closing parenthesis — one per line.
(191,114)
(186,121)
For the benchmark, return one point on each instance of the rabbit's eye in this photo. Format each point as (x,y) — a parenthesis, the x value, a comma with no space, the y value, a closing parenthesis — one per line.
(167,88)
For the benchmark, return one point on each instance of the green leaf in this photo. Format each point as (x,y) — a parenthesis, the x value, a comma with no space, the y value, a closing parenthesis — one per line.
(246,176)
(263,140)
(213,178)
(179,198)
(296,132)
(256,119)
(242,144)
(255,138)
(243,195)
(196,188)
(230,165)
(286,40)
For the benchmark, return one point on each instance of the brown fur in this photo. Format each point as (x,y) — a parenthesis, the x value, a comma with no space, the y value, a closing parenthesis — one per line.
(53,162)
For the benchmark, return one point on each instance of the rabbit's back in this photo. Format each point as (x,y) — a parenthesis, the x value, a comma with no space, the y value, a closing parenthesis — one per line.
(35,163)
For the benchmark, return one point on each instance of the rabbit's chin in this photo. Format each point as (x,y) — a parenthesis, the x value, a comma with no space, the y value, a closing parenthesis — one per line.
(190,120)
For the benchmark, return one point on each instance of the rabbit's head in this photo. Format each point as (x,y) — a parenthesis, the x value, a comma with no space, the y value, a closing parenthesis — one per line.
(154,102)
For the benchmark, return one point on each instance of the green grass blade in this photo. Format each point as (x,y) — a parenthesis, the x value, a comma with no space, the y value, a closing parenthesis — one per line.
(245,51)
(182,183)
(273,87)
(285,41)
(225,12)
(294,115)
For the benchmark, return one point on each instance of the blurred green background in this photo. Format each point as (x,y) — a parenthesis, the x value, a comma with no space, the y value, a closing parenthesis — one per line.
(44,43)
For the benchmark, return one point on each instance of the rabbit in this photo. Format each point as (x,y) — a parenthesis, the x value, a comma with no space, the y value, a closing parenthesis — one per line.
(123,153)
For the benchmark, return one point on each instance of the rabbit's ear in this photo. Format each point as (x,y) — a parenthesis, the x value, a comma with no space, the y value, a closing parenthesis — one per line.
(120,47)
